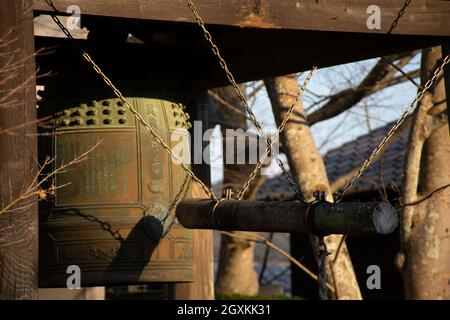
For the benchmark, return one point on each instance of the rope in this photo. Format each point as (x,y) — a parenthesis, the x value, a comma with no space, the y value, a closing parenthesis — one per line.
(322,274)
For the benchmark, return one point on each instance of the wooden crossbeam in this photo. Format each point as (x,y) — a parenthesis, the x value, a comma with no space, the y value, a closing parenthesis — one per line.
(248,54)
(321,218)
(421,17)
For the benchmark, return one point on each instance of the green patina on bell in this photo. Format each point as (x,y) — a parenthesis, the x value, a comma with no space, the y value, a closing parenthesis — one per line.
(110,212)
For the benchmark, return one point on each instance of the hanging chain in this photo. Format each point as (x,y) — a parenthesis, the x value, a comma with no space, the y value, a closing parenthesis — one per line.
(176,201)
(400,14)
(339,195)
(391,132)
(136,114)
(252,117)
(230,77)
(225,68)
(280,129)
(323,250)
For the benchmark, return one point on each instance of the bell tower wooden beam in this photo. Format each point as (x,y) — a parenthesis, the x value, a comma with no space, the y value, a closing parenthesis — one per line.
(421,17)
(18,152)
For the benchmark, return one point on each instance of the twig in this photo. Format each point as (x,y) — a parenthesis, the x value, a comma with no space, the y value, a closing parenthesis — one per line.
(22,125)
(35,187)
(277,276)
(226,104)
(270,244)
(402,72)
(255,90)
(266,258)
(344,237)
(431,194)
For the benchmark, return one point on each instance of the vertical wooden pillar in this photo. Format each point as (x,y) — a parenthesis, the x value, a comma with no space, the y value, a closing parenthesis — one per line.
(445,52)
(18,151)
(203,286)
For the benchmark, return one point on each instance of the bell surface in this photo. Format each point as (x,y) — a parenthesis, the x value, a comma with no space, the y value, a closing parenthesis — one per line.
(111,211)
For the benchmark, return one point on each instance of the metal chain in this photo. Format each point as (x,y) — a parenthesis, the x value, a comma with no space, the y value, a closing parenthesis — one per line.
(173,205)
(339,195)
(136,114)
(252,117)
(280,129)
(400,14)
(391,132)
(224,66)
(322,275)
(106,226)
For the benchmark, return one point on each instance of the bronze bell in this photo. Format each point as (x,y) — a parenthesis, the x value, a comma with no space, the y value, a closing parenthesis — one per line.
(111,212)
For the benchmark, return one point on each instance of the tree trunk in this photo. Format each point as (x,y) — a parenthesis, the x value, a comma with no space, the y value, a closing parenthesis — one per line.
(308,168)
(18,151)
(236,274)
(425,252)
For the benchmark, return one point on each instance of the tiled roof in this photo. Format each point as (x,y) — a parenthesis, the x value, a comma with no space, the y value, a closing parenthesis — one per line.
(388,168)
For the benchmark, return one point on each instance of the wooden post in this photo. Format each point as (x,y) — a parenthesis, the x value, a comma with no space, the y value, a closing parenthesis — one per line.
(203,286)
(18,151)
(445,52)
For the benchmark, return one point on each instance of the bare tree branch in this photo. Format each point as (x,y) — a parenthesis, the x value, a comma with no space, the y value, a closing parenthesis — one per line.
(341,181)
(431,194)
(254,237)
(226,104)
(35,189)
(378,78)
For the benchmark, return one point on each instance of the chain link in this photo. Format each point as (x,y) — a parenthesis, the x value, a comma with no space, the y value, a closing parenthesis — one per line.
(239,92)
(391,132)
(176,201)
(269,141)
(400,14)
(136,114)
(280,129)
(252,117)
(225,68)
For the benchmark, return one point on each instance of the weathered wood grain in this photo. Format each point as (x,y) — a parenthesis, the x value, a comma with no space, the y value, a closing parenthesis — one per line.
(422,17)
(18,152)
(251,54)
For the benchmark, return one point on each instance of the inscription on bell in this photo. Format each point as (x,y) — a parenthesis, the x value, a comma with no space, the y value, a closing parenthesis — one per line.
(111,214)
(105,175)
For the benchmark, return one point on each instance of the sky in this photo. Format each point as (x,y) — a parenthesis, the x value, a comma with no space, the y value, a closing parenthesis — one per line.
(382,108)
